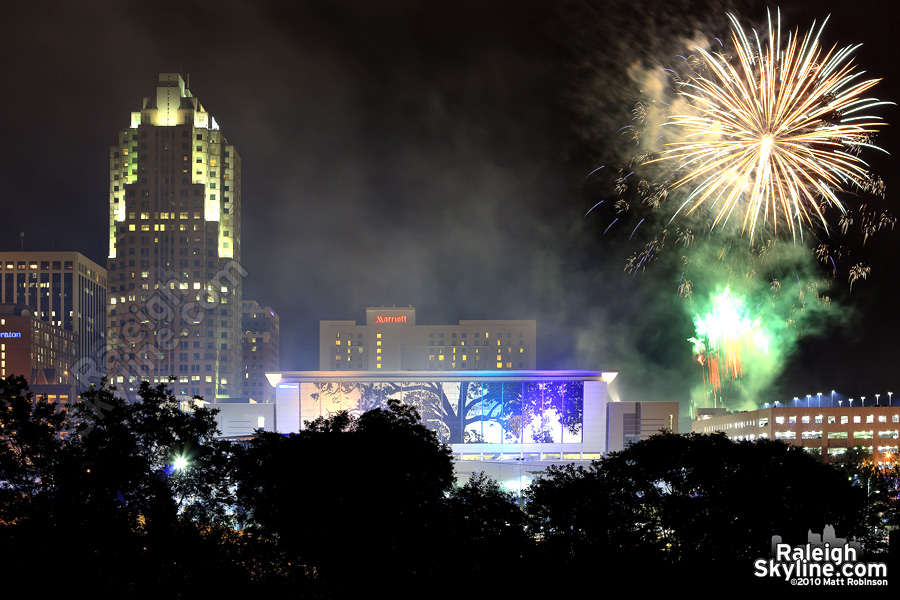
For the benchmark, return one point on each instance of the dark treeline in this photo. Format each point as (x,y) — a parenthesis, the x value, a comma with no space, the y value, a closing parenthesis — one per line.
(141,499)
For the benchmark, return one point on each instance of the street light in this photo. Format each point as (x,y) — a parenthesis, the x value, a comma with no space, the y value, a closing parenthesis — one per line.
(889,397)
(807,401)
(796,402)
(877,396)
(862,400)
(819,394)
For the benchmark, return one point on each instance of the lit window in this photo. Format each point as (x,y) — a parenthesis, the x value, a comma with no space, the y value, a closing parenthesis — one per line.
(870,418)
(804,419)
(857,419)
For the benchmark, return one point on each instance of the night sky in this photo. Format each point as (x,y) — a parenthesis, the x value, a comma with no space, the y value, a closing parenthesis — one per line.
(430,154)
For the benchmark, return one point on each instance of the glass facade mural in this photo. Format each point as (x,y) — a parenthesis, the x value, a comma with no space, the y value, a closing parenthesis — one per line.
(467,412)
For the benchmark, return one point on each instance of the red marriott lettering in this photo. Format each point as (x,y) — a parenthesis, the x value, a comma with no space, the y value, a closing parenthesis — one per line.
(382,319)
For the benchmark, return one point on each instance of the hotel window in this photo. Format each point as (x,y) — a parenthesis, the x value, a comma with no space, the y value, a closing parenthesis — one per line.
(779,420)
(895,419)
(785,435)
(499,365)
(845,419)
(804,419)
(888,434)
(831,419)
(863,435)
(812,435)
(837,435)
(857,419)
(818,418)
(882,418)
(870,418)
(792,420)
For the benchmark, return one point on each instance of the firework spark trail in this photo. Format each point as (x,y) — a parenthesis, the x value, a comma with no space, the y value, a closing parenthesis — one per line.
(773,133)
(635,229)
(592,208)
(594,171)
(610,225)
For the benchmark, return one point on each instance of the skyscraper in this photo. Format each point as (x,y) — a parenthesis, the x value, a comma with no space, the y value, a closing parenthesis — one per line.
(174,249)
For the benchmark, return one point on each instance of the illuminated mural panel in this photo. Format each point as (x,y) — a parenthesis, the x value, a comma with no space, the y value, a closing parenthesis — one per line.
(467,412)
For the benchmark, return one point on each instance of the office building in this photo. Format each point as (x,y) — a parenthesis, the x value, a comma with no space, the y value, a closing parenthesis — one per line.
(260,350)
(392,341)
(43,353)
(821,430)
(62,289)
(175,249)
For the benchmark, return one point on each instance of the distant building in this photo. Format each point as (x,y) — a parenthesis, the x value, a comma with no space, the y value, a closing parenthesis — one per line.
(823,431)
(631,422)
(392,341)
(260,340)
(175,249)
(41,352)
(63,289)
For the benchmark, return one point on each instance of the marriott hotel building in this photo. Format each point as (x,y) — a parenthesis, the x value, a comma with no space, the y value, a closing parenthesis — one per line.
(392,341)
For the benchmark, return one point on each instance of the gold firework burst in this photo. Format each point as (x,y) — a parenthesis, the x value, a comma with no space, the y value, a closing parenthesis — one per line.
(771,135)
